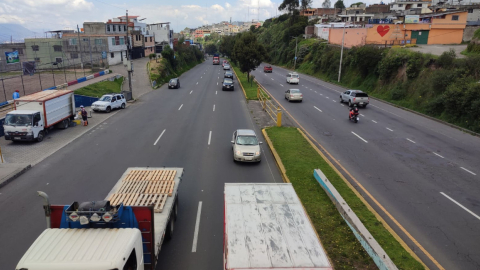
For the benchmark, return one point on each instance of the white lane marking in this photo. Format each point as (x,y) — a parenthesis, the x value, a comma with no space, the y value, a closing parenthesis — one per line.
(281,85)
(362,115)
(217,83)
(320,94)
(334,100)
(197,82)
(201,77)
(213,107)
(457,203)
(180,107)
(411,140)
(191,92)
(374,121)
(271,78)
(328,97)
(159,137)
(359,137)
(317,108)
(343,105)
(437,154)
(197,226)
(468,171)
(389,129)
(216,92)
(209,137)
(219,78)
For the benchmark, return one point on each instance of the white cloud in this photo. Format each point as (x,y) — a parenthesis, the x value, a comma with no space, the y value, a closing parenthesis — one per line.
(227,5)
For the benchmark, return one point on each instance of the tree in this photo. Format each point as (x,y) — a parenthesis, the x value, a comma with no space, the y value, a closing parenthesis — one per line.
(355,4)
(339,4)
(248,52)
(305,4)
(226,46)
(211,48)
(169,54)
(289,5)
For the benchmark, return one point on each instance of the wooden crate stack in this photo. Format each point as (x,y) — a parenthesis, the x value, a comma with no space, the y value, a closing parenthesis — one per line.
(144,188)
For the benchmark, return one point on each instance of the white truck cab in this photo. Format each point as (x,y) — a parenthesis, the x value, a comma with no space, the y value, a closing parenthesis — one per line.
(87,249)
(293,78)
(23,125)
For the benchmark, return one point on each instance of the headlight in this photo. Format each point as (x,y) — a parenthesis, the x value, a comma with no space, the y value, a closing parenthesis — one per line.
(238,153)
(257,153)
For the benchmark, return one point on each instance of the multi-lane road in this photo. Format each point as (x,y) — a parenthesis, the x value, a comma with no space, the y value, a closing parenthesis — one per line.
(425,174)
(190,127)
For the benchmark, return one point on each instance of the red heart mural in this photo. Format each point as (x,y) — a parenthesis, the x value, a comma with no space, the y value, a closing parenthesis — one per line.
(383,30)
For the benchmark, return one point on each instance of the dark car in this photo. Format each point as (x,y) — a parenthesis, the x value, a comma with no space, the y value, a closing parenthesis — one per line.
(228,74)
(174,83)
(267,69)
(227,84)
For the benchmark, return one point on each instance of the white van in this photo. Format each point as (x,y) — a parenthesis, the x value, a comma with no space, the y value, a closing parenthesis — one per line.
(293,78)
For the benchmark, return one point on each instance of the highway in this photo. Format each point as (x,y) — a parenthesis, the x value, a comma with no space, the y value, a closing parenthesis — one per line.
(190,127)
(424,173)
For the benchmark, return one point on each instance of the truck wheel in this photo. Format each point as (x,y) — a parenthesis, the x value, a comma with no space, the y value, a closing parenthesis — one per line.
(176,209)
(108,109)
(40,136)
(170,228)
(66,124)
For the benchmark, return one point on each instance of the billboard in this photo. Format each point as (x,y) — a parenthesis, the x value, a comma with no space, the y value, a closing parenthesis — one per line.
(412,18)
(12,57)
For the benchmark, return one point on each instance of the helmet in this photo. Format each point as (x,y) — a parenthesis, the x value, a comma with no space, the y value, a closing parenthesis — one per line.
(81,106)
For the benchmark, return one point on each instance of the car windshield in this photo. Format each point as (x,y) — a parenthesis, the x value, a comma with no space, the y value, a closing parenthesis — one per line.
(173,81)
(247,140)
(227,81)
(294,75)
(18,120)
(361,95)
(105,98)
(293,91)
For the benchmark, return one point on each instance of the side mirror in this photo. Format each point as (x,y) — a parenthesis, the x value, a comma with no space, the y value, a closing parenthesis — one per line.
(286,91)
(260,142)
(232,142)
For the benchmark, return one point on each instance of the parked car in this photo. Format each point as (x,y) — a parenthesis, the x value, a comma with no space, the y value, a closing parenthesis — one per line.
(109,102)
(355,97)
(246,146)
(227,84)
(293,95)
(267,69)
(293,78)
(226,67)
(228,74)
(174,83)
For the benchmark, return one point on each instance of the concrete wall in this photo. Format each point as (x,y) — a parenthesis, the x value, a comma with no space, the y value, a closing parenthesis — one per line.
(468,32)
(117,58)
(474,16)
(46,53)
(322,32)
(94,28)
(381,33)
(445,36)
(353,36)
(20,47)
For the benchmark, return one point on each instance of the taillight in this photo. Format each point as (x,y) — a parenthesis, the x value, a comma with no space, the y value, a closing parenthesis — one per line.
(354,99)
(291,95)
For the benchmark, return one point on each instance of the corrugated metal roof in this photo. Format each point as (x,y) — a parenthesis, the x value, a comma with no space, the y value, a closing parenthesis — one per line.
(44,95)
(59,249)
(267,227)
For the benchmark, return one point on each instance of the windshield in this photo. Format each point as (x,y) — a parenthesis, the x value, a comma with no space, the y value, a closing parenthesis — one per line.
(18,120)
(105,98)
(227,81)
(173,81)
(247,140)
(294,75)
(293,91)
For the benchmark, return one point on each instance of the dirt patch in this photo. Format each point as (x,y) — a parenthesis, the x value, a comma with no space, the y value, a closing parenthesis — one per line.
(155,65)
(262,119)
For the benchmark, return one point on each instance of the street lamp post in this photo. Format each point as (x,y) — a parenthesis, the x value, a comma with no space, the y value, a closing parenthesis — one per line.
(296,43)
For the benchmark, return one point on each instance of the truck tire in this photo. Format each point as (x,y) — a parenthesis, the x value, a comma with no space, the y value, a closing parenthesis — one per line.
(66,123)
(40,136)
(170,228)
(175,211)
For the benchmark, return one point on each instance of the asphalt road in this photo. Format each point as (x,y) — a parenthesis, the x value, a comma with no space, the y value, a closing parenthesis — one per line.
(424,173)
(87,168)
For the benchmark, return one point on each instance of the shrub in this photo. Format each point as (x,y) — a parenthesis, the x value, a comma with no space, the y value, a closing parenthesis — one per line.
(414,65)
(446,59)
(390,64)
(440,80)
(399,92)
(366,59)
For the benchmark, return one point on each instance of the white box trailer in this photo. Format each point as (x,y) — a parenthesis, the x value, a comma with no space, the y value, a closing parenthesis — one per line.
(35,114)
(125,233)
(266,227)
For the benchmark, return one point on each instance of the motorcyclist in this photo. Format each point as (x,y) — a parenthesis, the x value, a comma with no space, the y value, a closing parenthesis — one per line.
(353,112)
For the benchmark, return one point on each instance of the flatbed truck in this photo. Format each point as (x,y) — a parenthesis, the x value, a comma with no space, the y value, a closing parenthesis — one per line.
(124,231)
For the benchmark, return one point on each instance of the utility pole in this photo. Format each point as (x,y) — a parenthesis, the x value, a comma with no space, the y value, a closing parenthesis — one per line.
(341,54)
(80,49)
(90,45)
(129,64)
(295,64)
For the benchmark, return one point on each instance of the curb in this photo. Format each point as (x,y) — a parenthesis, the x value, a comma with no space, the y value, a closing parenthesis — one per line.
(13,176)
(278,161)
(239,82)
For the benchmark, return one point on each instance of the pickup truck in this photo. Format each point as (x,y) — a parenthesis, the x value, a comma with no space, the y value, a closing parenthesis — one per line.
(267,69)
(36,114)
(353,97)
(266,227)
(124,231)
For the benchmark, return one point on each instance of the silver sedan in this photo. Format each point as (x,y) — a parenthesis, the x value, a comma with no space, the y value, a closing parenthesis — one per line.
(293,95)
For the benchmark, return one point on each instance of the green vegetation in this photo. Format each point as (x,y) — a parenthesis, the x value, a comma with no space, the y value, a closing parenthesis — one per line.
(403,77)
(344,250)
(173,64)
(249,87)
(339,4)
(101,88)
(473,46)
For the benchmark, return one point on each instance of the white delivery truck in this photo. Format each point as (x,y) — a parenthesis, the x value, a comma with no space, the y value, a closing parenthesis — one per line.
(266,227)
(35,114)
(124,231)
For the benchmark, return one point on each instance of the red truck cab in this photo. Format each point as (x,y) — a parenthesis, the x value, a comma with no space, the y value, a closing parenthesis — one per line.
(267,69)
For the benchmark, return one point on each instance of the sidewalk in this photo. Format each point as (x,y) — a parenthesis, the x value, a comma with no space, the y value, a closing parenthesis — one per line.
(140,81)
(8,172)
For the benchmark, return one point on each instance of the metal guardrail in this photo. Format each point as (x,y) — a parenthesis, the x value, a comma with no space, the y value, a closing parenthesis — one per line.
(269,106)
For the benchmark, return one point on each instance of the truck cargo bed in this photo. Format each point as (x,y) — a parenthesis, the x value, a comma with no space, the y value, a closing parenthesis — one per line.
(140,186)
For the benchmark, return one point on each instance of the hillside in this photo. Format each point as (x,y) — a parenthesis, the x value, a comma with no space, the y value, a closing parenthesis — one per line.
(16,32)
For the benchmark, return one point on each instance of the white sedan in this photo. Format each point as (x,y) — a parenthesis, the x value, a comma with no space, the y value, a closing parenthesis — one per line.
(293,95)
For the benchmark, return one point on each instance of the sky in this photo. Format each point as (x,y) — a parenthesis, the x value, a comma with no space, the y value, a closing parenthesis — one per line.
(45,15)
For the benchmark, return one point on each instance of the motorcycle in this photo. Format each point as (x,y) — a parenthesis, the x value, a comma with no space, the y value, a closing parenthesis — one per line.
(353,116)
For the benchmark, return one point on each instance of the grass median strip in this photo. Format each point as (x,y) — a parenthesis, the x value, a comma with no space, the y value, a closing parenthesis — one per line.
(249,87)
(299,160)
